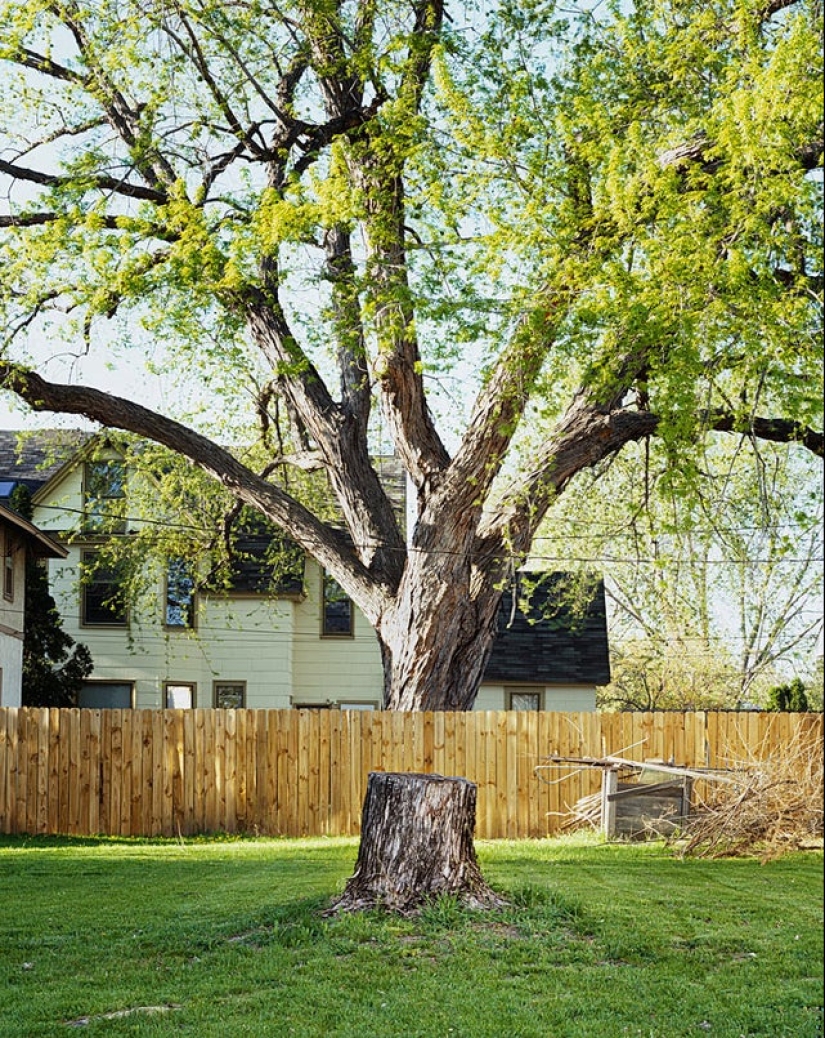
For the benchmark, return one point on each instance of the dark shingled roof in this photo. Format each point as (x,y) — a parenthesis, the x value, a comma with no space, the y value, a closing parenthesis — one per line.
(550,645)
(32,458)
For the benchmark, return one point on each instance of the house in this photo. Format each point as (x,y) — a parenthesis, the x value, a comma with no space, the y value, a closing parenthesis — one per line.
(299,642)
(20,540)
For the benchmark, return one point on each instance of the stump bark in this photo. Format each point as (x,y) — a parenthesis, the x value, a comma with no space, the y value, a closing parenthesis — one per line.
(416,845)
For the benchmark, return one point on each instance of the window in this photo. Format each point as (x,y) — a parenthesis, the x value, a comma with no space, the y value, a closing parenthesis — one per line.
(524,699)
(104,491)
(105,695)
(180,594)
(179,696)
(8,567)
(103,599)
(338,616)
(230,695)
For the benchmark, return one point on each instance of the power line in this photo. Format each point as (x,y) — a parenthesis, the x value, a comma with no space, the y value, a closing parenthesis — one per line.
(171,525)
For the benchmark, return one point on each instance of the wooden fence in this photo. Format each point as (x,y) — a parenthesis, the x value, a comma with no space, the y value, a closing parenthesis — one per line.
(302,772)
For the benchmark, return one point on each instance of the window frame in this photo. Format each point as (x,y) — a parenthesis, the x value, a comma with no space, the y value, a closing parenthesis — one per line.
(85,588)
(216,685)
(98,517)
(193,689)
(526,690)
(329,582)
(86,684)
(189,624)
(8,566)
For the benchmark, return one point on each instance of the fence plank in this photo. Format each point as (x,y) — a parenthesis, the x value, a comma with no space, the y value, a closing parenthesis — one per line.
(152,772)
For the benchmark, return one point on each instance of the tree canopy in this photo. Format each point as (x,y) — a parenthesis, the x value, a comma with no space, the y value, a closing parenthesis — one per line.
(505,239)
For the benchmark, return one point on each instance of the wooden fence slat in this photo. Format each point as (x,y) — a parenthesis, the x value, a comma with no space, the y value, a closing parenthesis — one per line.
(171,772)
(241,770)
(74,744)
(21,771)
(7,789)
(320,773)
(132,772)
(42,771)
(133,744)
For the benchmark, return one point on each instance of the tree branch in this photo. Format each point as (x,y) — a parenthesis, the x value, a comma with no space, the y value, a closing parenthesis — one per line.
(31,59)
(337,433)
(500,407)
(695,152)
(326,544)
(112,223)
(124,120)
(776,430)
(99,182)
(588,434)
(195,54)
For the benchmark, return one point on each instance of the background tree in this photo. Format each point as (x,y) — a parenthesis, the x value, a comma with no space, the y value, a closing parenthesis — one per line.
(790,696)
(54,666)
(601,228)
(716,588)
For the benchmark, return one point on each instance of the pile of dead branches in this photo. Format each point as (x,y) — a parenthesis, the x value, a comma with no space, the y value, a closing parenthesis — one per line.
(775,805)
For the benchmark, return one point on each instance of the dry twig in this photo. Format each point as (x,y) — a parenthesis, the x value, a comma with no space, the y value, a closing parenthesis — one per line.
(775,806)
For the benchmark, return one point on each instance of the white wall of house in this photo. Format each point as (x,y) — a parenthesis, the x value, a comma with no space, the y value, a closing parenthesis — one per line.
(553,697)
(235,639)
(341,669)
(11,620)
(11,668)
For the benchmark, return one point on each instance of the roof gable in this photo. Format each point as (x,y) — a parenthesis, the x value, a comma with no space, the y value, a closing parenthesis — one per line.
(543,642)
(42,546)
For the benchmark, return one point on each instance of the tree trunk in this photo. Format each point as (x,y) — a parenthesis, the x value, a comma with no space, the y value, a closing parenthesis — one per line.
(416,845)
(437,633)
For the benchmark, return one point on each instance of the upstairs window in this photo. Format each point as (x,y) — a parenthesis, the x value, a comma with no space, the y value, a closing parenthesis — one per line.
(338,615)
(180,594)
(104,496)
(103,600)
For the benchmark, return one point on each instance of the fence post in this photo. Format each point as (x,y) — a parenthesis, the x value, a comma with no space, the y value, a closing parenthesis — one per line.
(610,784)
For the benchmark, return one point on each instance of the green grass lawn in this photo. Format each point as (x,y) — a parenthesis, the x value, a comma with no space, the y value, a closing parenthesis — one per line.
(602,940)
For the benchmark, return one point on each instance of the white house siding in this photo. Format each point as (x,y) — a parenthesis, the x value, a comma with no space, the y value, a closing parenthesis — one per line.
(249,640)
(11,667)
(554,697)
(11,625)
(333,669)
(246,640)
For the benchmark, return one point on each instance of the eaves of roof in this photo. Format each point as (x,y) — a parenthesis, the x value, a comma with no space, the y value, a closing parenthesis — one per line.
(43,545)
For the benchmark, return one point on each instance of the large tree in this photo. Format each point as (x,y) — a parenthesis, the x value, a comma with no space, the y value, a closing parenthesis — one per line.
(603,227)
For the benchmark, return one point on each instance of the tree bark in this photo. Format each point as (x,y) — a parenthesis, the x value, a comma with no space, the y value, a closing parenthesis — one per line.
(437,634)
(416,845)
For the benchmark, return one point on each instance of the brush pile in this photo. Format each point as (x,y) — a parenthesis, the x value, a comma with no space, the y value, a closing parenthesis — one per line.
(775,805)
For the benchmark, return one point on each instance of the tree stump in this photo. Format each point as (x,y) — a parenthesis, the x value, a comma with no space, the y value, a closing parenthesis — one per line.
(416,845)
